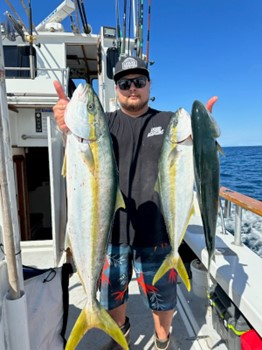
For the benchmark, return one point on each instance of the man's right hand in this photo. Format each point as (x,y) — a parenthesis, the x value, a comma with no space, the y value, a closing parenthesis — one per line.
(60,106)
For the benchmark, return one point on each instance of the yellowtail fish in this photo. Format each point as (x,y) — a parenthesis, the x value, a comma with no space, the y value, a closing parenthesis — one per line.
(205,131)
(175,186)
(93,197)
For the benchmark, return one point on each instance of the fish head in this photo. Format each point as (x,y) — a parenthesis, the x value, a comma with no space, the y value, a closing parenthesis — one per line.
(179,127)
(84,115)
(203,118)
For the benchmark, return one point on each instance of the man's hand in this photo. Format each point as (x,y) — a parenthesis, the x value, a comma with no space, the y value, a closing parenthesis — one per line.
(60,106)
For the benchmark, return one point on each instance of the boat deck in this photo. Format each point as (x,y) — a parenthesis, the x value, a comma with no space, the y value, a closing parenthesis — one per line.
(190,323)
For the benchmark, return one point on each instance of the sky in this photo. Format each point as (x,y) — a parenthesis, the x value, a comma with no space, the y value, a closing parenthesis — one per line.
(200,48)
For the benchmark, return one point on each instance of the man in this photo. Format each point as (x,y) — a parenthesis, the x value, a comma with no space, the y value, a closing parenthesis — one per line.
(139,239)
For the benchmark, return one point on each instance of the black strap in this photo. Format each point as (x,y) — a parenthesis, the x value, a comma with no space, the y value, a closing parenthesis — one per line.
(67,270)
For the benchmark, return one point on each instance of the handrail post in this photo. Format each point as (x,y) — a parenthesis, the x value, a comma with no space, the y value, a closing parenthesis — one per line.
(238,221)
(227,208)
(221,213)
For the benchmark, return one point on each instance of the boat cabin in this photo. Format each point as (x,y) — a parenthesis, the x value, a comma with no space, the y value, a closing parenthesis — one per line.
(31,66)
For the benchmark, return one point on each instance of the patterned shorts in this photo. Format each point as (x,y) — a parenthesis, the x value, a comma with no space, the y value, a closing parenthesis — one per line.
(117,272)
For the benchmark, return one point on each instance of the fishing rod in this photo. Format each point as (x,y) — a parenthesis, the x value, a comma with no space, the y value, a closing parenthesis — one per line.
(118,30)
(137,27)
(31,39)
(141,28)
(82,12)
(26,11)
(16,14)
(17,26)
(134,21)
(87,26)
(124,29)
(148,32)
(129,27)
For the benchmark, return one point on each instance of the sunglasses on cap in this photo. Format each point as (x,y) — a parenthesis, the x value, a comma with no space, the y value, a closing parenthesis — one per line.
(125,84)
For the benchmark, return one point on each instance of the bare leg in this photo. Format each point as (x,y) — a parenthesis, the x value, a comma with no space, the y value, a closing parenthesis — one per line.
(162,321)
(119,314)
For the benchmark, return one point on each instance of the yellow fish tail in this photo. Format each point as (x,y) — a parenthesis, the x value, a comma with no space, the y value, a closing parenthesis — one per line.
(173,262)
(98,318)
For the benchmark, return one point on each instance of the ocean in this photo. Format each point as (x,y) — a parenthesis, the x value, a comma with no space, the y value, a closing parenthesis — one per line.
(241,171)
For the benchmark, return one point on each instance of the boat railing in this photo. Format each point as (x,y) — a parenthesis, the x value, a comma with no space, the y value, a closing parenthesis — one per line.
(241,202)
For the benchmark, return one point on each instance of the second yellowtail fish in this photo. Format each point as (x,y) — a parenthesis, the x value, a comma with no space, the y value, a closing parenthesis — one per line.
(175,187)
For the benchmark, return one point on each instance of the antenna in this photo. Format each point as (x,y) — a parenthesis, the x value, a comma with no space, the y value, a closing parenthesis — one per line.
(57,16)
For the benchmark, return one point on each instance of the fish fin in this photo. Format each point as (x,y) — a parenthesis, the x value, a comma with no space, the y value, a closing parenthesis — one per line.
(157,186)
(191,212)
(63,171)
(95,318)
(173,262)
(120,203)
(220,149)
(196,205)
(172,156)
(88,158)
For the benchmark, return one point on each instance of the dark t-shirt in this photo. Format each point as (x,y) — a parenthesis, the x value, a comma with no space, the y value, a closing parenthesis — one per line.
(137,145)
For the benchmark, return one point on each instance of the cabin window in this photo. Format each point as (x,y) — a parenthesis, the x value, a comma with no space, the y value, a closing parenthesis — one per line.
(18,56)
(112,57)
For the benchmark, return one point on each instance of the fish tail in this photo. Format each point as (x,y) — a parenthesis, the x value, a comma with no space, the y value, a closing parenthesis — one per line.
(173,262)
(99,318)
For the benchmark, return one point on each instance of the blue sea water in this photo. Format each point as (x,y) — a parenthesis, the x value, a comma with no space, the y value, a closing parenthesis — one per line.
(241,170)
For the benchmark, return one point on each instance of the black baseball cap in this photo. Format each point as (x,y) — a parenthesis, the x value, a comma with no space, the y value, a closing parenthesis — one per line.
(130,65)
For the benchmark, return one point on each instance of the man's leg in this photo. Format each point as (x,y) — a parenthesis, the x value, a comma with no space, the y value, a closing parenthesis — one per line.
(119,314)
(160,298)
(162,322)
(115,278)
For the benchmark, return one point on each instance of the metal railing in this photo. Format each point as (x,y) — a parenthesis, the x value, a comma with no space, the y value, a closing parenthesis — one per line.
(241,202)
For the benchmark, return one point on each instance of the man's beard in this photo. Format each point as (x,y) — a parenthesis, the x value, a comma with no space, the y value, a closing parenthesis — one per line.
(134,107)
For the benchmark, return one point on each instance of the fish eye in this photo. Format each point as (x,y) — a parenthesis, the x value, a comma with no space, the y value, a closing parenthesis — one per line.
(90,106)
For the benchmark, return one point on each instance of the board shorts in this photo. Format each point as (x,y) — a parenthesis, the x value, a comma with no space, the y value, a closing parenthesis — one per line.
(121,261)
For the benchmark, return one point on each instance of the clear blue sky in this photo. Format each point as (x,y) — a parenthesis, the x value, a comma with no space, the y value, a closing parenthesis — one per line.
(201,48)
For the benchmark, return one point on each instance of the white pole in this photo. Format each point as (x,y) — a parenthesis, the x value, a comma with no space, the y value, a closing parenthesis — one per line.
(7,192)
(15,306)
